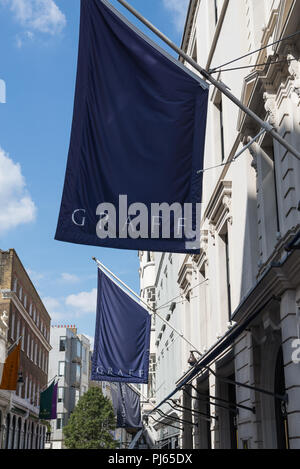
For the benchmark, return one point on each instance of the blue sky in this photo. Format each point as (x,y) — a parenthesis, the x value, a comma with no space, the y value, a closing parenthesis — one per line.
(38,55)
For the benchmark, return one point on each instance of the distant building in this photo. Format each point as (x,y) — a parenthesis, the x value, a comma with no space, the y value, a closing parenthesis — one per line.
(69,363)
(27,318)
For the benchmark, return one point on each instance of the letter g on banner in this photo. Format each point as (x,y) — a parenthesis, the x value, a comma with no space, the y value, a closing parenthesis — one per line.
(78,218)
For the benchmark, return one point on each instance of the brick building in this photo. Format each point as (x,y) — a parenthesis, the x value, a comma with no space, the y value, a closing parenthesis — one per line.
(28,319)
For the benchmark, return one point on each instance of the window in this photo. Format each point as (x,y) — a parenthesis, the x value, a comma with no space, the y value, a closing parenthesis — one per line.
(84,360)
(25,387)
(60,421)
(18,329)
(28,345)
(224,237)
(62,344)
(36,353)
(29,390)
(38,395)
(78,348)
(34,314)
(32,349)
(33,394)
(61,368)
(25,301)
(20,293)
(30,309)
(23,338)
(268,197)
(15,285)
(61,393)
(12,332)
(78,373)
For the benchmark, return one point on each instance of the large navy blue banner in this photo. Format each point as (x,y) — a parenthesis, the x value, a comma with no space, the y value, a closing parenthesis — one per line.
(126,404)
(122,336)
(137,142)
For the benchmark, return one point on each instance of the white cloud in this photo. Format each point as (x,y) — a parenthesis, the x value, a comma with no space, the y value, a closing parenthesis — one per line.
(84,302)
(178,10)
(51,304)
(43,16)
(16,205)
(35,276)
(69,278)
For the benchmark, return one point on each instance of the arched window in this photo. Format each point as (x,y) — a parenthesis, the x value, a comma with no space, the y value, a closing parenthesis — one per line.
(13,439)
(7,435)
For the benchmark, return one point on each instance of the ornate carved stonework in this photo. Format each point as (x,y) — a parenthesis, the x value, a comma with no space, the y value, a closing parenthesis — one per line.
(270,107)
(294,70)
(3,324)
(219,209)
(212,232)
(185,276)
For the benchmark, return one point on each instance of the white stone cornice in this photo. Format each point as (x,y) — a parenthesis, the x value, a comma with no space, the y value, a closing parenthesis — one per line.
(201,259)
(185,275)
(219,208)
(271,108)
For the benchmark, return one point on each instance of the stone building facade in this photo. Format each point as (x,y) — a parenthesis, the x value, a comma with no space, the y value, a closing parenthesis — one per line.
(238,301)
(69,364)
(27,320)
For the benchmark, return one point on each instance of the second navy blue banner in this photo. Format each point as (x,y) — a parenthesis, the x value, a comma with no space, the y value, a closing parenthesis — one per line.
(122,336)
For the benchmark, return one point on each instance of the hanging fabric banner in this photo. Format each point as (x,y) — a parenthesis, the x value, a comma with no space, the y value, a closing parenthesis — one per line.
(122,336)
(48,403)
(126,404)
(137,142)
(11,370)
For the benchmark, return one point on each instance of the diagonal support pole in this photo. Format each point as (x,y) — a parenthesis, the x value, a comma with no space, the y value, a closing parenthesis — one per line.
(281,397)
(169,424)
(231,404)
(220,86)
(161,413)
(206,417)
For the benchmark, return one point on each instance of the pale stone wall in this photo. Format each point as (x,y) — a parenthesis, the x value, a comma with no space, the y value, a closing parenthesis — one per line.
(250,212)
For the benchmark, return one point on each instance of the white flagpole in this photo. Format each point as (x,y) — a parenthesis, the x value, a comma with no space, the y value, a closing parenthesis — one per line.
(220,86)
(15,343)
(104,268)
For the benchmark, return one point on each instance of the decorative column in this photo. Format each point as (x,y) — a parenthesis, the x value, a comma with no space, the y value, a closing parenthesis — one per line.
(289,323)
